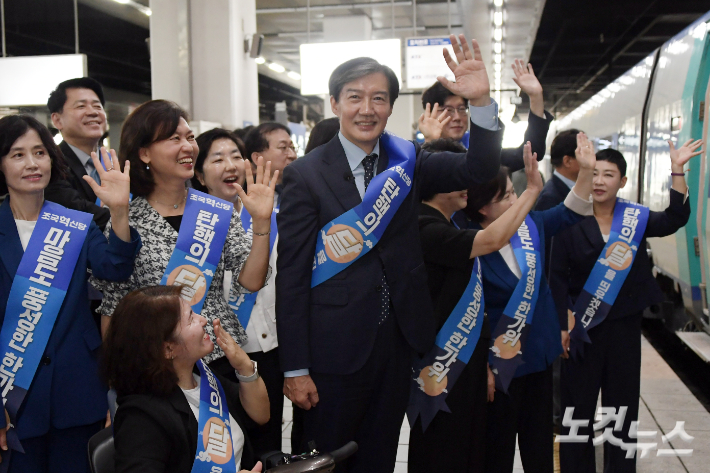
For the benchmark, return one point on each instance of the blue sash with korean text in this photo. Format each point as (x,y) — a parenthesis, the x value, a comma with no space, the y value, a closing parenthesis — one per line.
(609,273)
(243,304)
(34,302)
(434,375)
(215,452)
(203,231)
(348,237)
(509,336)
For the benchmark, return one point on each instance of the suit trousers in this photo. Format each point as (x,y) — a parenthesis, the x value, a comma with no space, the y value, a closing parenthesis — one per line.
(612,363)
(267,437)
(58,451)
(526,411)
(367,406)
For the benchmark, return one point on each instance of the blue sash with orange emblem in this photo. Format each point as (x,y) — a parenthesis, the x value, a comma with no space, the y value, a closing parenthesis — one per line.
(609,273)
(348,237)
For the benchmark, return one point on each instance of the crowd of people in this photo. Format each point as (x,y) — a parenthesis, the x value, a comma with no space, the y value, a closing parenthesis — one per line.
(202,278)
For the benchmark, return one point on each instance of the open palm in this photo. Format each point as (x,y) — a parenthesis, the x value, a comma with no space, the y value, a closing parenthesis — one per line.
(683,154)
(259,198)
(468,68)
(114,190)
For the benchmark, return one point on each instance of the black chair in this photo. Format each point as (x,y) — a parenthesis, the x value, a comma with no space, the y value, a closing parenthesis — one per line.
(102,452)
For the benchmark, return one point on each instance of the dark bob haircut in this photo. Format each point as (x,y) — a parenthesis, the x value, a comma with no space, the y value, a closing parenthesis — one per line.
(439,145)
(323,132)
(482,195)
(256,141)
(437,93)
(13,127)
(58,97)
(133,360)
(615,157)
(360,67)
(153,121)
(563,145)
(204,142)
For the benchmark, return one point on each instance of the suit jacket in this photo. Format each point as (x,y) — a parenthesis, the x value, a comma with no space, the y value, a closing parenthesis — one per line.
(553,194)
(536,134)
(66,390)
(577,249)
(74,192)
(332,327)
(155,434)
(543,342)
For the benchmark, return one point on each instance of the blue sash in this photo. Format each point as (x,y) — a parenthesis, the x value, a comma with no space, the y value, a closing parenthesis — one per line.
(215,452)
(609,272)
(434,375)
(203,231)
(243,304)
(35,299)
(465,138)
(512,328)
(348,237)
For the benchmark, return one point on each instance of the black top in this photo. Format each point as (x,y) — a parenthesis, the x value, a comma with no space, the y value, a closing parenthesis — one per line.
(576,250)
(447,256)
(155,434)
(175,221)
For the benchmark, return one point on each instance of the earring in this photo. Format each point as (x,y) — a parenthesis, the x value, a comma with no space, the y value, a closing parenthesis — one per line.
(147,167)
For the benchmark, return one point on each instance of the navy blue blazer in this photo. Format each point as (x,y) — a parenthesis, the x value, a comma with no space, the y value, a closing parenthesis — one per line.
(332,328)
(543,342)
(66,391)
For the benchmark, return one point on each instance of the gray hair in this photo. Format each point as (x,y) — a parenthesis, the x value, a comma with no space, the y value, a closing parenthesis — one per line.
(360,67)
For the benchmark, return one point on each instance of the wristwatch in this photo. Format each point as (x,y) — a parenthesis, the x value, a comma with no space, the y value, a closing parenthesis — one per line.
(250,378)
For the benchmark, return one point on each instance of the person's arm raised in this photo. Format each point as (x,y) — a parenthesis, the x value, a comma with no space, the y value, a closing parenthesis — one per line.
(471,78)
(679,157)
(114,191)
(432,122)
(498,233)
(587,160)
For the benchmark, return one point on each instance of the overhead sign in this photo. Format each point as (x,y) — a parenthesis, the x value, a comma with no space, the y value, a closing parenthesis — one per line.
(28,80)
(319,60)
(425,61)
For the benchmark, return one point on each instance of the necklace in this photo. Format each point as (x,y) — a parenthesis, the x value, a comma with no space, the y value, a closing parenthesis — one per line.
(175,206)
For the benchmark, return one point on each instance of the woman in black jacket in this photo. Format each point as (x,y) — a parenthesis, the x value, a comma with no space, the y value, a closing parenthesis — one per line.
(153,345)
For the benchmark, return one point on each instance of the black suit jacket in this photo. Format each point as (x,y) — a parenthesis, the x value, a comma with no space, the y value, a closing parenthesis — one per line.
(577,249)
(536,134)
(553,194)
(159,434)
(74,192)
(332,327)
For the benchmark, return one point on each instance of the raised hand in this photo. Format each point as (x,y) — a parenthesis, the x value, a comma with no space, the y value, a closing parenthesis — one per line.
(259,198)
(683,154)
(114,191)
(469,72)
(525,78)
(237,357)
(430,124)
(585,152)
(531,169)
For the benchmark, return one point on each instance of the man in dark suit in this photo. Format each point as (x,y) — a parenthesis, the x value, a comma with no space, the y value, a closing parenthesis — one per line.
(346,345)
(77,108)
(612,362)
(565,174)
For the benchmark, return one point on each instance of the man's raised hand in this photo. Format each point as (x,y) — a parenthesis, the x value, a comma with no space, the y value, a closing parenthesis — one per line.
(471,78)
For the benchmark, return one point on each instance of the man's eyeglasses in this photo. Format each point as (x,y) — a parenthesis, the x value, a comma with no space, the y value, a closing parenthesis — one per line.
(451,111)
(285,149)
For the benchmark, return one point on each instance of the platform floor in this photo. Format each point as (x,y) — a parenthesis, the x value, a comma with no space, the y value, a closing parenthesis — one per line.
(664,400)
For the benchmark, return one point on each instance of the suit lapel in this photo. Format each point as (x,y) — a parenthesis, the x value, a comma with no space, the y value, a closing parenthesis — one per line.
(12,251)
(591,231)
(337,174)
(561,186)
(77,168)
(501,271)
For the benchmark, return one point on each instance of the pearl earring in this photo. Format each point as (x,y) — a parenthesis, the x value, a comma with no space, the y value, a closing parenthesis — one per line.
(147,167)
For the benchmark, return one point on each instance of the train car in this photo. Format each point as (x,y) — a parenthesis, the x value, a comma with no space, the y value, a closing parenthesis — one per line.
(665,96)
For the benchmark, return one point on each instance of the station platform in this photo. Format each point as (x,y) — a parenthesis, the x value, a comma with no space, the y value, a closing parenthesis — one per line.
(664,401)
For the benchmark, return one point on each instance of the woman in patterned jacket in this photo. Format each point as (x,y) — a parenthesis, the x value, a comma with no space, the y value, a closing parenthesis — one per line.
(157,140)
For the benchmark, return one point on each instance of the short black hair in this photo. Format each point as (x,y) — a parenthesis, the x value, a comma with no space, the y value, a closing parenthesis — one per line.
(482,195)
(437,93)
(615,157)
(242,132)
(256,142)
(563,145)
(440,145)
(324,131)
(58,97)
(360,67)
(204,143)
(12,127)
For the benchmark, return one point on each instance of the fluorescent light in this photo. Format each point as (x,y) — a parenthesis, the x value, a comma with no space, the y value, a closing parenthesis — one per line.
(260,60)
(498,48)
(497,67)
(21,85)
(498,18)
(498,34)
(498,58)
(498,3)
(277,67)
(294,75)
(496,74)
(125,2)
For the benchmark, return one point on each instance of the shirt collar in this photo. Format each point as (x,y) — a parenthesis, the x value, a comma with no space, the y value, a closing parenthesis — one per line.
(570,183)
(354,154)
(83,157)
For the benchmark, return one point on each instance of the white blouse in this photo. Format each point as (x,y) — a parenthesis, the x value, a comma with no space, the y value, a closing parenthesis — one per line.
(25,229)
